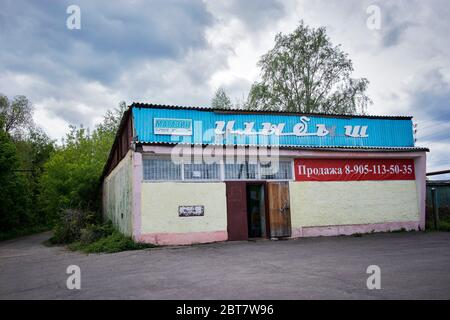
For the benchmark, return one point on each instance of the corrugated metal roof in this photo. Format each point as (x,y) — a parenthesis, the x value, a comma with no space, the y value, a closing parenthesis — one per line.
(243,111)
(377,132)
(294,147)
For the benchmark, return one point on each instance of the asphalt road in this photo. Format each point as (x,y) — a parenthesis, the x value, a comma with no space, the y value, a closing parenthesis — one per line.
(413,266)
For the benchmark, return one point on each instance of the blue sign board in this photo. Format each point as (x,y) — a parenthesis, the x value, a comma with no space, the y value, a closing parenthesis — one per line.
(153,125)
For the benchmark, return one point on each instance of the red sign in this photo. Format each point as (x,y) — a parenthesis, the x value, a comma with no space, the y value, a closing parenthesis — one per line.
(353,169)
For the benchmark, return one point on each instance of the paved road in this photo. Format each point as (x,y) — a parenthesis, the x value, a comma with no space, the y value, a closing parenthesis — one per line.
(413,265)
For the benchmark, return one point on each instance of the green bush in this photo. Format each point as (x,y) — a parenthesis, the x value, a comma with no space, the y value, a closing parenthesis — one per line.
(444,226)
(70,224)
(95,232)
(114,242)
(15,205)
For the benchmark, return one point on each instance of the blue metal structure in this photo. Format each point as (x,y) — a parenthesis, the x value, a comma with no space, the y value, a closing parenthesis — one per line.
(194,126)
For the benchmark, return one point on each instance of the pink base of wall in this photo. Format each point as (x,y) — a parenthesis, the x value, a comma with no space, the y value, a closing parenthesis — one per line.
(217,236)
(183,238)
(354,229)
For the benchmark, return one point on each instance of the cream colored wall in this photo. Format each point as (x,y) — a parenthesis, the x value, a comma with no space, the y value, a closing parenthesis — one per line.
(160,203)
(352,202)
(117,195)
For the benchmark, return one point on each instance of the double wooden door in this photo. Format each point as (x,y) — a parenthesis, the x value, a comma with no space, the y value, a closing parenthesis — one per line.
(278,211)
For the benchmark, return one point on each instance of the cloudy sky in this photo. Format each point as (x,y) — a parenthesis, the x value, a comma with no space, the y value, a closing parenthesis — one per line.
(180,52)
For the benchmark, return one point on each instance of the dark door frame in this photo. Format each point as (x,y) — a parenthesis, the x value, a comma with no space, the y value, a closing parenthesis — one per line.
(262,183)
(236,214)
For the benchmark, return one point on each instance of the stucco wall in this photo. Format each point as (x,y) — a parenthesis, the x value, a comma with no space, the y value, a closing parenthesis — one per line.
(353,203)
(117,195)
(159,212)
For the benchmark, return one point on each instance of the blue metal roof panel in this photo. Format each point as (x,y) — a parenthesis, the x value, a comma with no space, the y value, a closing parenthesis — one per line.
(382,132)
(238,111)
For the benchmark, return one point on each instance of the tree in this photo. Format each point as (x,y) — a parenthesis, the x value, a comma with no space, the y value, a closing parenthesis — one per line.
(33,150)
(305,73)
(16,115)
(14,203)
(72,174)
(112,118)
(221,100)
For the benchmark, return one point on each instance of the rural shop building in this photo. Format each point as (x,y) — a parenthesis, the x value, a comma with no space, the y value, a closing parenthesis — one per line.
(180,175)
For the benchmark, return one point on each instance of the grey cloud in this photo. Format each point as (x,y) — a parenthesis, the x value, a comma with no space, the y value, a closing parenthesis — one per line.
(430,105)
(431,97)
(112,35)
(239,89)
(158,51)
(394,21)
(257,13)
(393,34)
(114,39)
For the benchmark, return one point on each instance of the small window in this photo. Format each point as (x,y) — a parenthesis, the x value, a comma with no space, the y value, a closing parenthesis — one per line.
(202,171)
(161,169)
(276,171)
(240,171)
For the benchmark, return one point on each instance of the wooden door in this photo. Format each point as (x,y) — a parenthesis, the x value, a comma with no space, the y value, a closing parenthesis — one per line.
(279,209)
(237,210)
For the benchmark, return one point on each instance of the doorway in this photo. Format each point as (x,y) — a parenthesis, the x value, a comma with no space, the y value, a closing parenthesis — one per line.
(257,209)
(256,212)
(279,209)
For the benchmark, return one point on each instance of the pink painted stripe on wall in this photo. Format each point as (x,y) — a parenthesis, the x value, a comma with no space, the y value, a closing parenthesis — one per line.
(354,229)
(184,238)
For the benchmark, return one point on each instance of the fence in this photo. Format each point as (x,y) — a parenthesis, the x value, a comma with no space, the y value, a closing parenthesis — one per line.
(438,204)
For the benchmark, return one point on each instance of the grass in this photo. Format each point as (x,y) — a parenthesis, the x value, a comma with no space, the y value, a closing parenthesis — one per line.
(444,226)
(115,242)
(22,232)
(81,232)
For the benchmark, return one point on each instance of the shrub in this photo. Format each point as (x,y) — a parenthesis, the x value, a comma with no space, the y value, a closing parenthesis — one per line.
(82,231)
(444,226)
(114,242)
(70,224)
(94,232)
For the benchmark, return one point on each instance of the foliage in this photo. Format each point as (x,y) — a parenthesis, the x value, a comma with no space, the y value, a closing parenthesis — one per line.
(443,225)
(111,120)
(70,224)
(95,232)
(24,149)
(83,231)
(14,203)
(304,72)
(111,241)
(44,184)
(16,114)
(34,150)
(71,176)
(221,100)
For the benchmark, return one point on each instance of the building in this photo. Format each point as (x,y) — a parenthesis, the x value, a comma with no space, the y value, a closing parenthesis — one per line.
(182,175)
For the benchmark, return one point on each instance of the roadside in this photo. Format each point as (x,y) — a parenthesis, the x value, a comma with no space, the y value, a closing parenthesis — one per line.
(413,265)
